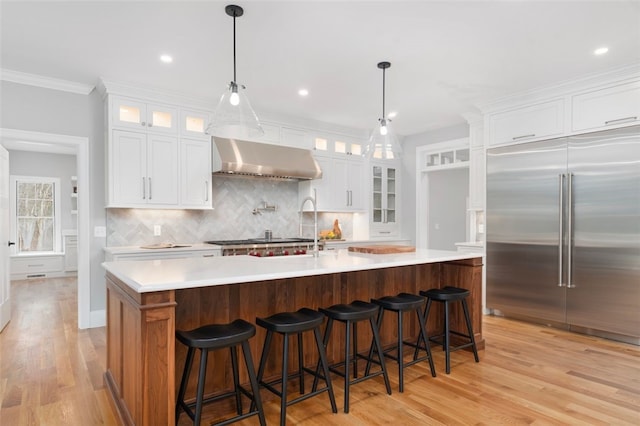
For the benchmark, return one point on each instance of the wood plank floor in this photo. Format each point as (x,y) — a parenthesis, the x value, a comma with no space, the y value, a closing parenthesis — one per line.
(51,374)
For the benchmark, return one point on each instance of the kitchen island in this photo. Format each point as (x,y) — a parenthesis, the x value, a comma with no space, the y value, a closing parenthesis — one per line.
(148,300)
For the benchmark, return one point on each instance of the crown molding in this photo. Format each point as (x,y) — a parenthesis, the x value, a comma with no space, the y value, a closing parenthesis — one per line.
(586,82)
(46,82)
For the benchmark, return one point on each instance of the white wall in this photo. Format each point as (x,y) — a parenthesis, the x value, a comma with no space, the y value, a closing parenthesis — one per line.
(37,109)
(409,145)
(25,163)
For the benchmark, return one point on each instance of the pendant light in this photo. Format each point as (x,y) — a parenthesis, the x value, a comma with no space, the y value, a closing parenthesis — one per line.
(234,117)
(383,143)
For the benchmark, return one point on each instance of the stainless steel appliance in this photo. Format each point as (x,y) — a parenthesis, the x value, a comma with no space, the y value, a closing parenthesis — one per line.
(563,232)
(262,247)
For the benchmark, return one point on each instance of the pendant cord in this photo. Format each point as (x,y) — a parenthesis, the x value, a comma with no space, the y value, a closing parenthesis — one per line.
(234,47)
(383,87)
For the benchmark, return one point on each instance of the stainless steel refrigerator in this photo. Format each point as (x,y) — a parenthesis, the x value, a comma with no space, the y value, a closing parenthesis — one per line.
(563,233)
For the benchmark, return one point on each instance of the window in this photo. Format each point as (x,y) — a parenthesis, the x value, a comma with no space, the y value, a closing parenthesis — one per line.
(35,208)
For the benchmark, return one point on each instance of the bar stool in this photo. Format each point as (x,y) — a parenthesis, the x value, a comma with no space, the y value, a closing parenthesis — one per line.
(286,324)
(350,315)
(212,337)
(403,302)
(447,295)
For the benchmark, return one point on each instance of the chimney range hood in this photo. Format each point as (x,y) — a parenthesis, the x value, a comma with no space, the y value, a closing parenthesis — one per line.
(238,157)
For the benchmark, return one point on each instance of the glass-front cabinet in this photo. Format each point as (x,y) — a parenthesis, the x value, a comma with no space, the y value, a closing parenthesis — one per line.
(384,200)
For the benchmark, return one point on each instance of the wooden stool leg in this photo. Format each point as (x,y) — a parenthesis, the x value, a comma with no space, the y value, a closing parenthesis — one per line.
(347,365)
(400,357)
(183,383)
(255,388)
(383,366)
(467,318)
(325,367)
(285,375)
(236,378)
(202,374)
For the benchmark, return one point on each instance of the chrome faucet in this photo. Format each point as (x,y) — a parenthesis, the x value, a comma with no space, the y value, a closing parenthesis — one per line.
(316,252)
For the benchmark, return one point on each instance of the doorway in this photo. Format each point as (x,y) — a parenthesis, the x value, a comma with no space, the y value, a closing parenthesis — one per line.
(13,139)
(447,208)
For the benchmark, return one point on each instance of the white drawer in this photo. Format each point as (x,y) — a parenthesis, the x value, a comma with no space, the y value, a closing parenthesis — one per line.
(36,264)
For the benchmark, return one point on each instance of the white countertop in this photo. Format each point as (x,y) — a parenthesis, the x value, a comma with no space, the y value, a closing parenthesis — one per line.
(172,274)
(138,249)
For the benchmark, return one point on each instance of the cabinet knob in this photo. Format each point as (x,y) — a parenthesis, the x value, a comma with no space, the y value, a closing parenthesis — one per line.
(150,124)
(142,123)
(10,243)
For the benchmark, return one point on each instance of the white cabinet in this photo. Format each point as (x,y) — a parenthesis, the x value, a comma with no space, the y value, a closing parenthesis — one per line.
(338,145)
(533,122)
(195,176)
(143,170)
(70,253)
(613,106)
(341,188)
(194,123)
(141,116)
(384,200)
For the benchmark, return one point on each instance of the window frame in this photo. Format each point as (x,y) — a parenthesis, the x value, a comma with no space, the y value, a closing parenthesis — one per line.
(57,211)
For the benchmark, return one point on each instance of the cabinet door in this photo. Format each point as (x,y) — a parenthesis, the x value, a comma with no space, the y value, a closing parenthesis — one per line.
(325,193)
(128,170)
(194,123)
(530,123)
(610,107)
(340,186)
(162,119)
(195,172)
(128,113)
(384,202)
(162,170)
(356,185)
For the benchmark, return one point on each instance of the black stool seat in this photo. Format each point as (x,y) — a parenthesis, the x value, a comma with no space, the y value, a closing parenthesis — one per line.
(401,303)
(447,295)
(292,322)
(287,323)
(215,336)
(355,311)
(350,315)
(212,337)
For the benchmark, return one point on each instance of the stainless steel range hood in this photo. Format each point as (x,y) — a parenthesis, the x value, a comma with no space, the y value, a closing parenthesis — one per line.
(238,157)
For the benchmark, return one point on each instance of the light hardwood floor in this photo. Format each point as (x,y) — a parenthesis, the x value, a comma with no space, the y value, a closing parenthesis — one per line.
(51,374)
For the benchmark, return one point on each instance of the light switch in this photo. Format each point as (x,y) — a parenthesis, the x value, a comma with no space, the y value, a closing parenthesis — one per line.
(100,231)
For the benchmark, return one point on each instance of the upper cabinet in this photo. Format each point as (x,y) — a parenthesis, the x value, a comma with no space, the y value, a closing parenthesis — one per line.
(385,202)
(342,186)
(617,106)
(141,116)
(540,121)
(158,156)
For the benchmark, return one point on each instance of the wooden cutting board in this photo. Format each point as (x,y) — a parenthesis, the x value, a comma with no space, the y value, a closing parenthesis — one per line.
(382,249)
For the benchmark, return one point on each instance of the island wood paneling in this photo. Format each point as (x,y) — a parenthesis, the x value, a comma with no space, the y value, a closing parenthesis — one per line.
(144,364)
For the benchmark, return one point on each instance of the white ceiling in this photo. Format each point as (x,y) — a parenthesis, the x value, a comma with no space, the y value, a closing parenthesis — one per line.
(446,56)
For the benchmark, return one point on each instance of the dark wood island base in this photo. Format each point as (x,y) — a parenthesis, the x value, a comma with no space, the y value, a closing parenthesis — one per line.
(144,364)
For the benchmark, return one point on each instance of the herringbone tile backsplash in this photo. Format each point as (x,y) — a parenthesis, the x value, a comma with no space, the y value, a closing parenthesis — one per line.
(234,200)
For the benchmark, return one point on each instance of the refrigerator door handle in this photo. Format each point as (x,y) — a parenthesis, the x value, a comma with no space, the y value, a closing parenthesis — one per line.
(560,229)
(570,230)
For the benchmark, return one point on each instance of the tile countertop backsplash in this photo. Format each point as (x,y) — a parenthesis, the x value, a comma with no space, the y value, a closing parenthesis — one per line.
(234,200)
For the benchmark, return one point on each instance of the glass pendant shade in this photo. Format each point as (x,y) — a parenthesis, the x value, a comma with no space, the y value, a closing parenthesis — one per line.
(234,117)
(383,143)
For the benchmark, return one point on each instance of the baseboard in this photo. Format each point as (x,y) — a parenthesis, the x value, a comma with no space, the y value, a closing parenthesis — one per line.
(98,318)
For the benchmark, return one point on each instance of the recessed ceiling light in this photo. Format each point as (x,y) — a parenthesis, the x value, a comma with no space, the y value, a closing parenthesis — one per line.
(303,92)
(392,114)
(166,59)
(601,51)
